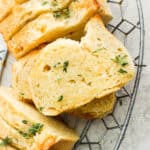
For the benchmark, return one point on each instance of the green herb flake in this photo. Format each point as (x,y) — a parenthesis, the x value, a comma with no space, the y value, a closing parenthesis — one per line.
(60,98)
(121,60)
(57,14)
(35,128)
(25,135)
(25,121)
(41,109)
(122,71)
(56,65)
(6,141)
(66,13)
(98,50)
(65,66)
(45,3)
(22,94)
(62,13)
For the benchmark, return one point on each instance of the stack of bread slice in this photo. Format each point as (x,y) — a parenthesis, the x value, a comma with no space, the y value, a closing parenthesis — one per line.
(26,129)
(67,74)
(68,62)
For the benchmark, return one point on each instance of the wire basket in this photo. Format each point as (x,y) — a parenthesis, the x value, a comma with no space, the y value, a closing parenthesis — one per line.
(108,133)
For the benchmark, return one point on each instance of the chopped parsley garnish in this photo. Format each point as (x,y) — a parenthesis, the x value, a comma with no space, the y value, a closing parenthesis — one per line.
(57,14)
(60,98)
(41,109)
(56,65)
(22,94)
(25,121)
(35,128)
(6,141)
(98,50)
(121,60)
(64,12)
(45,3)
(65,66)
(122,71)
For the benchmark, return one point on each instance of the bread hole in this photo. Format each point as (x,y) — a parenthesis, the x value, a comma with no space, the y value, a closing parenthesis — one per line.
(46,68)
(72,81)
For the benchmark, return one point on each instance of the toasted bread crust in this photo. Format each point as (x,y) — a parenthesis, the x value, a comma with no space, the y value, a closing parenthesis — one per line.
(51,133)
(23,14)
(28,38)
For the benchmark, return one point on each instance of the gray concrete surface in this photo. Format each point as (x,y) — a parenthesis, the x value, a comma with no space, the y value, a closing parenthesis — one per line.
(138,133)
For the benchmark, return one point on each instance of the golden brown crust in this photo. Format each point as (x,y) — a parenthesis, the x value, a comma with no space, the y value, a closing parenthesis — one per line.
(47,28)
(23,14)
(17,111)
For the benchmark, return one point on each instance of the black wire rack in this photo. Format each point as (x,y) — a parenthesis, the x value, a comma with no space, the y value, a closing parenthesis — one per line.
(108,133)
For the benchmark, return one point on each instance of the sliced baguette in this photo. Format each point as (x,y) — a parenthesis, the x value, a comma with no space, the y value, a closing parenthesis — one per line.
(105,11)
(96,109)
(19,117)
(26,12)
(21,69)
(49,26)
(91,73)
(20,72)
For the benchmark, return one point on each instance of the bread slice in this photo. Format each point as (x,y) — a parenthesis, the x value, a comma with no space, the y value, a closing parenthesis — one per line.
(49,26)
(98,108)
(28,129)
(105,11)
(26,12)
(20,71)
(68,75)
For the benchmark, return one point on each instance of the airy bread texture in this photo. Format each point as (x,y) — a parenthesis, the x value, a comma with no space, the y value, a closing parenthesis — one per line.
(20,72)
(98,108)
(26,12)
(22,68)
(49,26)
(91,70)
(105,11)
(30,130)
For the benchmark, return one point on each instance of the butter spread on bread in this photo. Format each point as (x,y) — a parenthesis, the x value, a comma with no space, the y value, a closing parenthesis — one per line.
(26,12)
(30,130)
(49,26)
(78,73)
(21,69)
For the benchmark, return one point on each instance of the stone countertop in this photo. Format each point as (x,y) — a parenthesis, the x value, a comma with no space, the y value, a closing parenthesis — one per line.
(138,133)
